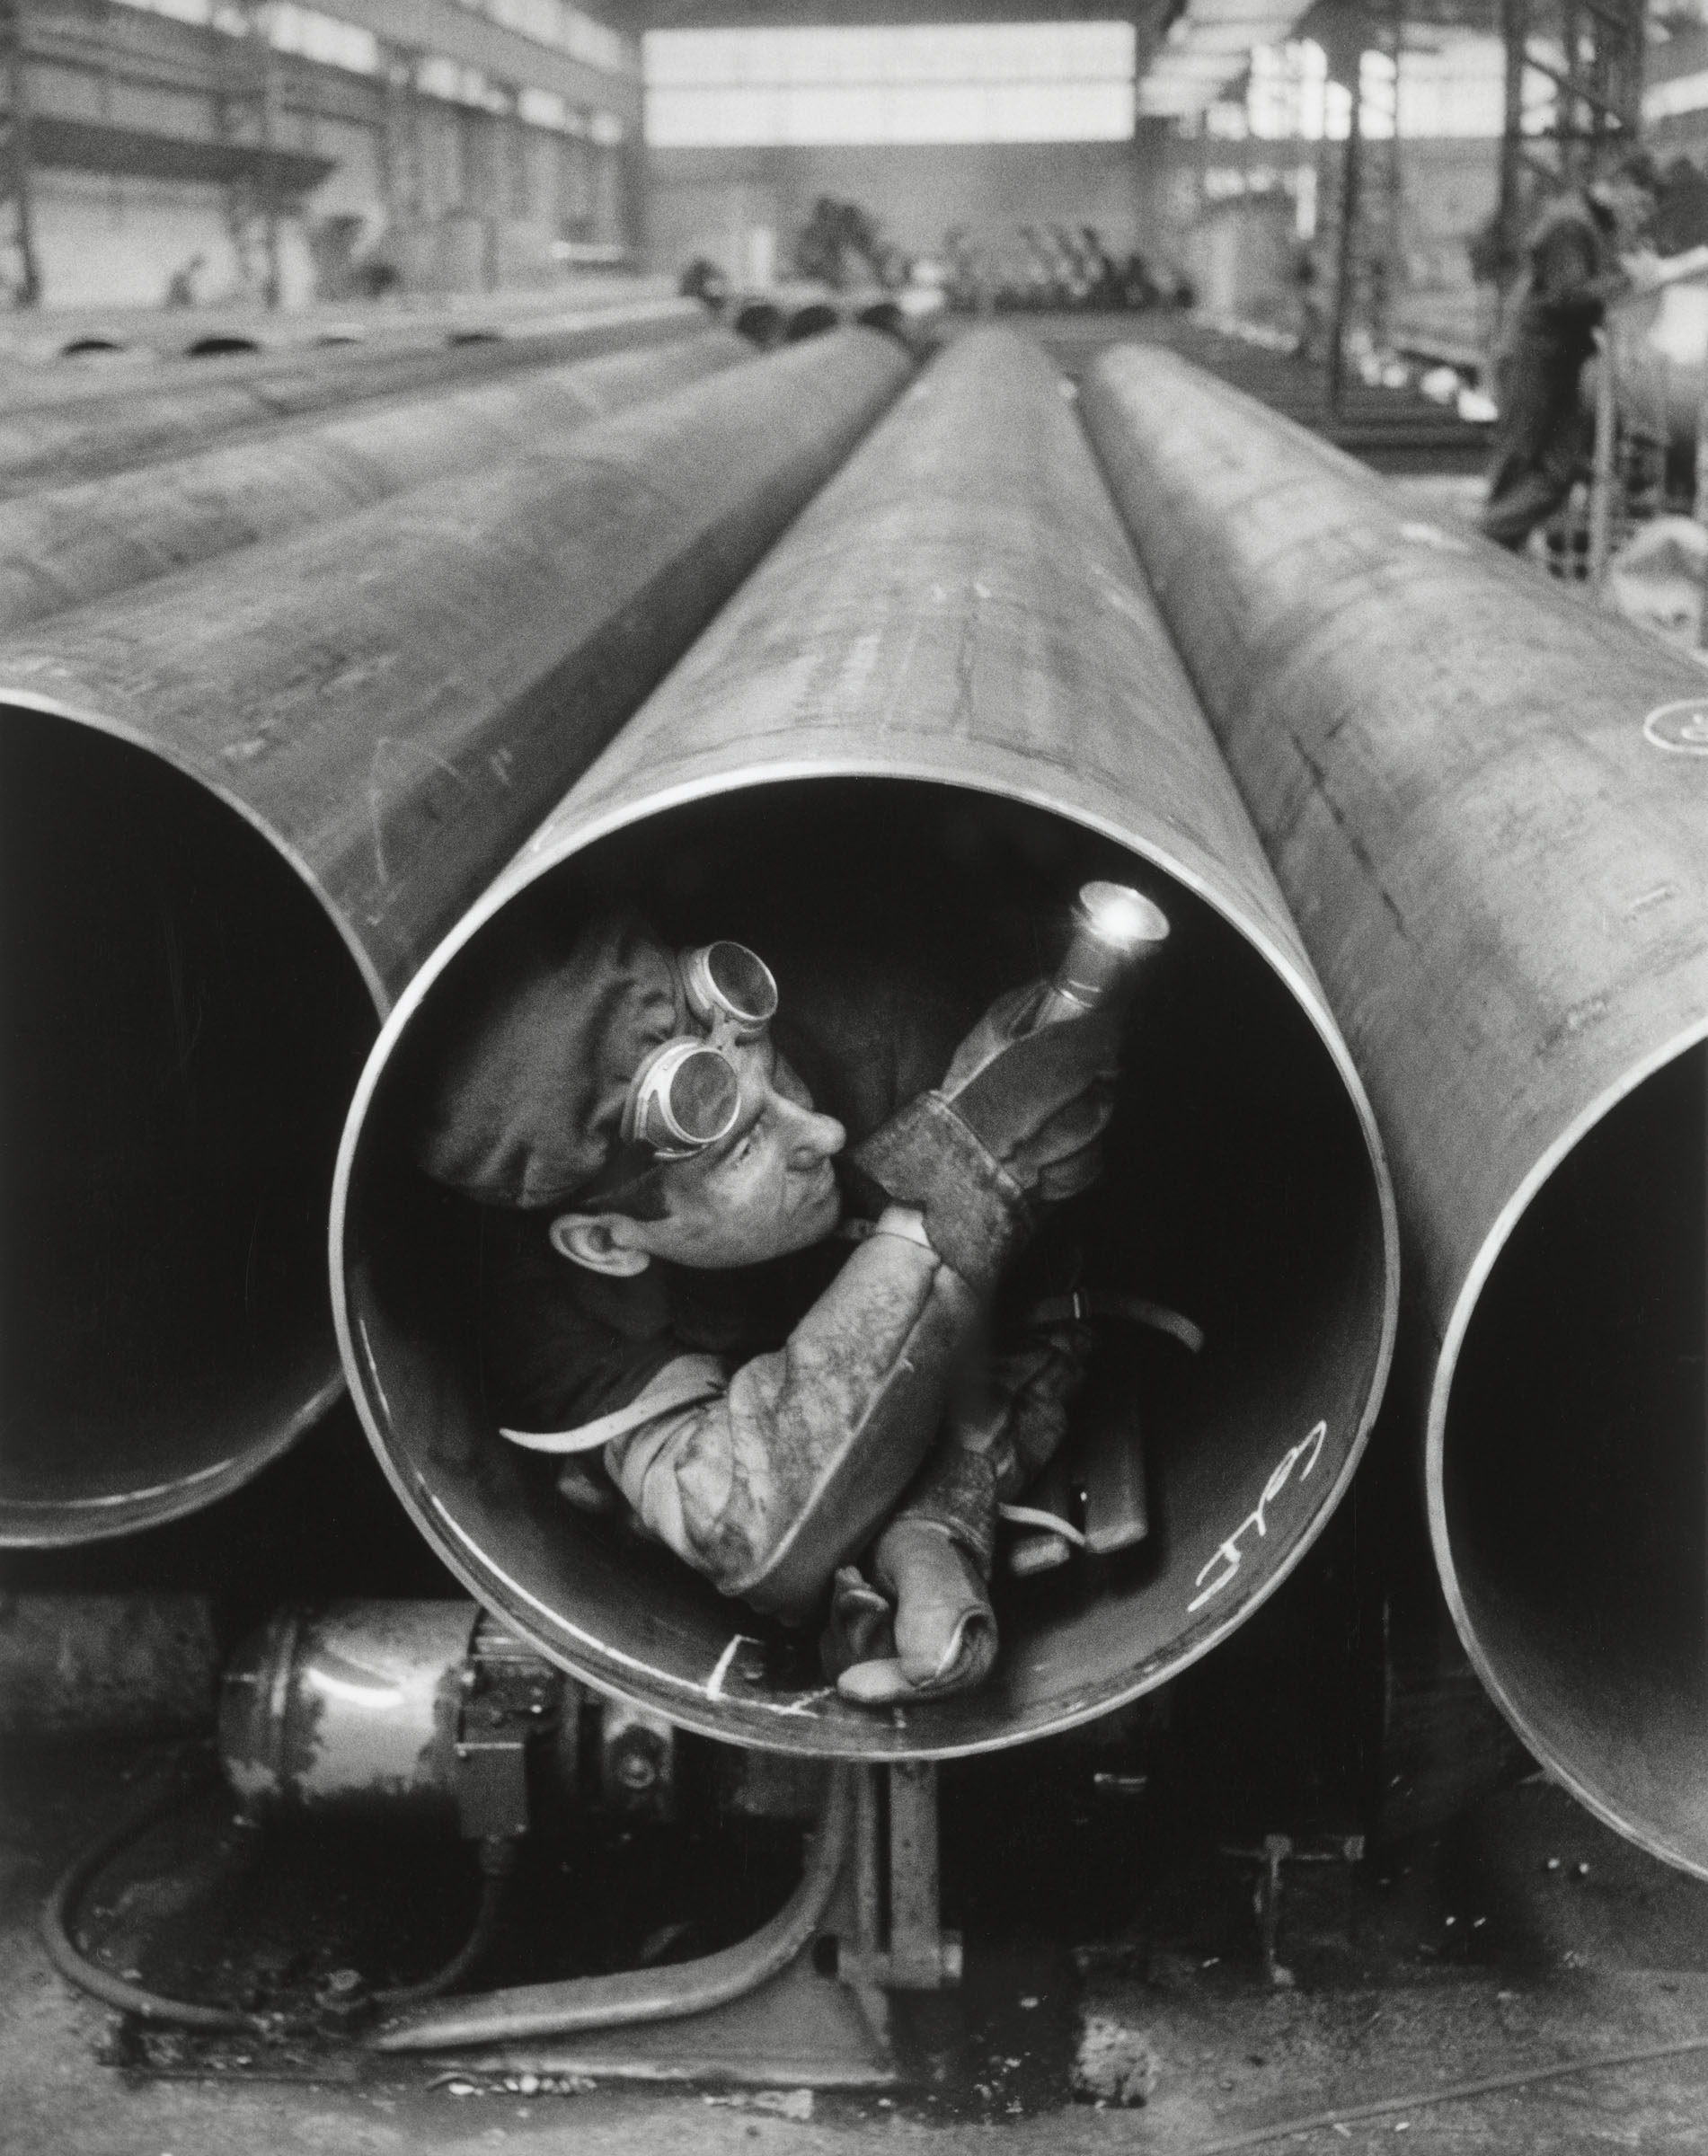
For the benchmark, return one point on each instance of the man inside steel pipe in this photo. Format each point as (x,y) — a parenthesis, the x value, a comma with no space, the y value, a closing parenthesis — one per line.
(801,1347)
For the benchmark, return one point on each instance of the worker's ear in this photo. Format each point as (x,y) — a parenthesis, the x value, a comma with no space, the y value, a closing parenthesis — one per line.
(603,1242)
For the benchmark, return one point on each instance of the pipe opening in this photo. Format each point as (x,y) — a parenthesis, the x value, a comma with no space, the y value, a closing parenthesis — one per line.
(1238,1191)
(220,348)
(183,1029)
(1574,1473)
(760,322)
(885,314)
(86,347)
(814,320)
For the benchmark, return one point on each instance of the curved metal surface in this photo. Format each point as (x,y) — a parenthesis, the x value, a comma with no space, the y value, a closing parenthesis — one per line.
(351,1707)
(946,688)
(1486,801)
(65,546)
(239,806)
(86,429)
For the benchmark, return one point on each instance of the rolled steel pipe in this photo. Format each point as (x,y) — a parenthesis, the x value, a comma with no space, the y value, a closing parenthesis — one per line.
(240,804)
(1485,800)
(105,423)
(66,546)
(947,686)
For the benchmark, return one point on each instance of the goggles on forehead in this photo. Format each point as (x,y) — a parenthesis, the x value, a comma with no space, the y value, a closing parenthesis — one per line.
(687,1093)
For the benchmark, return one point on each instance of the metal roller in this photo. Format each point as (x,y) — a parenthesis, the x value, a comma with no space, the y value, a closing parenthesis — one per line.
(65,546)
(239,806)
(1486,800)
(947,686)
(82,431)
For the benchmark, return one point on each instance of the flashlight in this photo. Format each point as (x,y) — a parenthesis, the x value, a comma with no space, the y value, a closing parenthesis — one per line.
(1115,929)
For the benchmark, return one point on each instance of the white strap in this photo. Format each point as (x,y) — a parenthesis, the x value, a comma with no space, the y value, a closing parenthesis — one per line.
(588,1436)
(1029,1515)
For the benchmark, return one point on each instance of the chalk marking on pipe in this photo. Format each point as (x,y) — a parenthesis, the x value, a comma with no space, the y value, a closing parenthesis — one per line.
(1432,534)
(1658,897)
(1228,1552)
(1680,728)
(400,751)
(714,1683)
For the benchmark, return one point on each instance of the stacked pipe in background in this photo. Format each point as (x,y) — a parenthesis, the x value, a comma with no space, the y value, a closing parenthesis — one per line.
(241,803)
(61,431)
(64,547)
(946,689)
(1486,803)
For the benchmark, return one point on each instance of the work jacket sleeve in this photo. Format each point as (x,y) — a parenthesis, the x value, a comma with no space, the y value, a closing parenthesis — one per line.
(770,1483)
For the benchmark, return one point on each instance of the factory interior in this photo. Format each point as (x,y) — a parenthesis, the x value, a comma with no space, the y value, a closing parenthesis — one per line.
(1052,624)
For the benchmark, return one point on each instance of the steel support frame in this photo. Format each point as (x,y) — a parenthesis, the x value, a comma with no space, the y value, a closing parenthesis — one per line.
(16,174)
(1368,195)
(735,2016)
(1591,52)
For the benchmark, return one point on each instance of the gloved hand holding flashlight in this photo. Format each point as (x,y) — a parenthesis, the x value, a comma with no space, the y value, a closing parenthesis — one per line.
(1017,1124)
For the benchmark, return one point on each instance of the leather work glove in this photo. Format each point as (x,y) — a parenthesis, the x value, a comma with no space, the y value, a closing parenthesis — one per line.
(1041,1102)
(1016,1125)
(924,1627)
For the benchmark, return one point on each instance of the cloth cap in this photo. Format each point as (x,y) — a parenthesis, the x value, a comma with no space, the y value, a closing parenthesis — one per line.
(524,1103)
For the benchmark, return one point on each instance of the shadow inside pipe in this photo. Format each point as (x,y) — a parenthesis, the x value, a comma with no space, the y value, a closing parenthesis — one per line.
(818,318)
(1237,1190)
(761,322)
(1574,1464)
(182,1030)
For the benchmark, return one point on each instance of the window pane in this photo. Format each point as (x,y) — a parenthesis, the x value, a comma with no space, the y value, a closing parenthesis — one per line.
(936,83)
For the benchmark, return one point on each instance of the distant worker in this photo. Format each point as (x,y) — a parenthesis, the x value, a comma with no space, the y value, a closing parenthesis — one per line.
(1578,257)
(773,1346)
(1307,336)
(703,280)
(181,286)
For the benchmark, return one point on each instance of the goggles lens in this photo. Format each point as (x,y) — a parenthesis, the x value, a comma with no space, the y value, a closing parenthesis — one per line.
(728,984)
(686,1098)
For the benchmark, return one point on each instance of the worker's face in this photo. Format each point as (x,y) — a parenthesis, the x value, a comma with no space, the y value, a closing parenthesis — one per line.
(766,1189)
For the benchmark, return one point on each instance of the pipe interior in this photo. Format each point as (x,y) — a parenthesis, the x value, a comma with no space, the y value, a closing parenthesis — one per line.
(1238,1190)
(816,319)
(183,1029)
(1574,1481)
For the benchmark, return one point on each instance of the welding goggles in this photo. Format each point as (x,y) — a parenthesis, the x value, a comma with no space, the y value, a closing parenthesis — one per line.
(687,1093)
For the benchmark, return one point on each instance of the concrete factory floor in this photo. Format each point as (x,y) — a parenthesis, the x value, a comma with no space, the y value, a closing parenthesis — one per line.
(1526,1936)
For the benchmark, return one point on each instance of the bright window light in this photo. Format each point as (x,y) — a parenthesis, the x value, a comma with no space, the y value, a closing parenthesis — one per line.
(994,82)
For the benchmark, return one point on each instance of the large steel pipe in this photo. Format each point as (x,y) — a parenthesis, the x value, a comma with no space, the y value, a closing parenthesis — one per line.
(944,701)
(86,429)
(239,804)
(67,545)
(1485,800)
